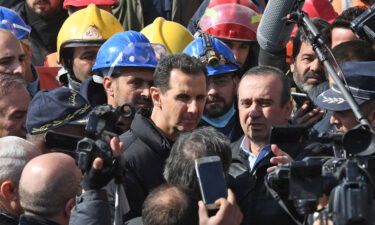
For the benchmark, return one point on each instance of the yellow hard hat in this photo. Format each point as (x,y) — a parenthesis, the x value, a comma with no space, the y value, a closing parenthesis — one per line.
(172,35)
(90,26)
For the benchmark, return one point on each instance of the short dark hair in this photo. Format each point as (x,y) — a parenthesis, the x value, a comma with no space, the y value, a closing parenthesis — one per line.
(340,23)
(356,50)
(270,70)
(322,26)
(201,142)
(351,13)
(186,63)
(170,205)
(10,81)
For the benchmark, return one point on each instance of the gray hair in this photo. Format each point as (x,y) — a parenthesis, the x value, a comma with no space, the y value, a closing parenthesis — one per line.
(15,152)
(10,81)
(204,141)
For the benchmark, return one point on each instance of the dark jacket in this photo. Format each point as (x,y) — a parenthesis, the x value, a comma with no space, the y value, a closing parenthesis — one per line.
(35,220)
(6,219)
(92,208)
(257,205)
(44,31)
(146,149)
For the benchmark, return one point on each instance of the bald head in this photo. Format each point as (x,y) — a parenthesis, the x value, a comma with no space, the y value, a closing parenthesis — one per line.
(57,182)
(11,54)
(170,204)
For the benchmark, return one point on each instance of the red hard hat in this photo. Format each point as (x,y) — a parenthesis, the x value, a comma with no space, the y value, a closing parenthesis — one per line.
(231,19)
(80,3)
(320,8)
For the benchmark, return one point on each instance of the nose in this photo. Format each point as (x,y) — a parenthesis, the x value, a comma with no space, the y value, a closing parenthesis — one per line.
(235,52)
(146,91)
(316,65)
(211,89)
(334,120)
(193,107)
(18,68)
(255,110)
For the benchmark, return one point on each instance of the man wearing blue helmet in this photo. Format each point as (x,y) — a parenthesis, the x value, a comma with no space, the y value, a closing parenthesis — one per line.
(219,110)
(126,63)
(10,20)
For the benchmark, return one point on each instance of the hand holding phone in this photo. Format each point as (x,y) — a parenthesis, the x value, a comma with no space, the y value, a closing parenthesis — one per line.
(307,115)
(211,180)
(228,214)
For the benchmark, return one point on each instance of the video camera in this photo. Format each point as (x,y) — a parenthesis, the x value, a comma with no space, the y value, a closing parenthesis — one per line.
(364,25)
(103,121)
(348,178)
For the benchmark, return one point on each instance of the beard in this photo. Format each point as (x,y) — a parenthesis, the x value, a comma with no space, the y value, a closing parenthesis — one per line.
(302,83)
(218,108)
(142,100)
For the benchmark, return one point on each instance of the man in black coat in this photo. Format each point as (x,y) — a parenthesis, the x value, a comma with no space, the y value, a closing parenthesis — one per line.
(178,95)
(263,101)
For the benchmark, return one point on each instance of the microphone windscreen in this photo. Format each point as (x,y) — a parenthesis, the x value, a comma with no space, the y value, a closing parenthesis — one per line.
(274,31)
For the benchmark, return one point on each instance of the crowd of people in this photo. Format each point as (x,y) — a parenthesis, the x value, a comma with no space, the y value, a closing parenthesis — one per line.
(190,80)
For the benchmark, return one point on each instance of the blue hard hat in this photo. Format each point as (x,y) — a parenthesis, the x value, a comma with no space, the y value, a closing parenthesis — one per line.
(217,57)
(127,49)
(11,21)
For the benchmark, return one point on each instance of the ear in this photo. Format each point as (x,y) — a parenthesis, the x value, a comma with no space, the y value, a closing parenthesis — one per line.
(156,96)
(288,108)
(109,85)
(9,190)
(68,207)
(292,66)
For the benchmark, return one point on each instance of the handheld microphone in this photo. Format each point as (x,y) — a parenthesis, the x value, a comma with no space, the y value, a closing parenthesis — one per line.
(274,29)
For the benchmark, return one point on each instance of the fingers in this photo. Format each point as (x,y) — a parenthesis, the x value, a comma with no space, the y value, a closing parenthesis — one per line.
(271,169)
(310,117)
(116,146)
(231,198)
(202,212)
(97,164)
(280,156)
(276,150)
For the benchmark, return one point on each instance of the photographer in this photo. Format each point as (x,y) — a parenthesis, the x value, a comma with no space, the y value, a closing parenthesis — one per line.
(69,112)
(50,198)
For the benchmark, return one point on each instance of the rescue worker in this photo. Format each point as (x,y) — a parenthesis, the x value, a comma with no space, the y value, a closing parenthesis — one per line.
(79,40)
(126,63)
(219,111)
(11,21)
(234,22)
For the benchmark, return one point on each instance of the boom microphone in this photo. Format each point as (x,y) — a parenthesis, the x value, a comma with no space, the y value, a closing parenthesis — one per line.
(274,28)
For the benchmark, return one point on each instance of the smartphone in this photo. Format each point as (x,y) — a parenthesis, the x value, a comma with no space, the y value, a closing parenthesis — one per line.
(288,134)
(211,180)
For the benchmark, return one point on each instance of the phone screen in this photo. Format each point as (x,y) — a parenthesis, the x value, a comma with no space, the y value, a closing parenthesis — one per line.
(211,180)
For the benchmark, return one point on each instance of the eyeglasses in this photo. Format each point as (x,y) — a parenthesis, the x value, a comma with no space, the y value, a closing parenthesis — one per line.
(220,81)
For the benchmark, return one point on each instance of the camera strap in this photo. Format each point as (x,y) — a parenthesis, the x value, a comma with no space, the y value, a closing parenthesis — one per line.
(280,202)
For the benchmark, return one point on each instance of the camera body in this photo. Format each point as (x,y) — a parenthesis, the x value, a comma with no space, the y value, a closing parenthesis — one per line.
(346,178)
(101,123)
